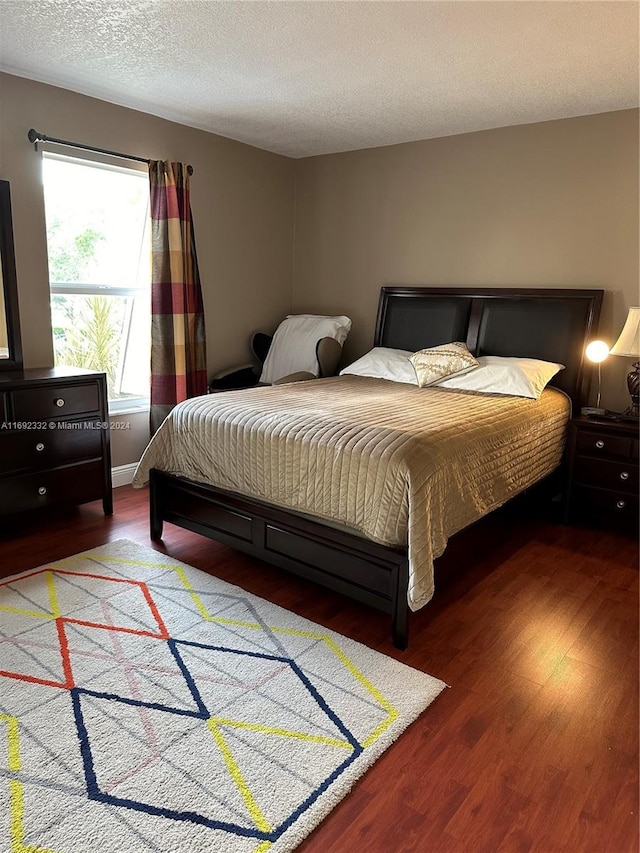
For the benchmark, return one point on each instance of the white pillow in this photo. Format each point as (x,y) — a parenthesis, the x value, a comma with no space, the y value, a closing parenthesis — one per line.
(293,347)
(519,377)
(384,363)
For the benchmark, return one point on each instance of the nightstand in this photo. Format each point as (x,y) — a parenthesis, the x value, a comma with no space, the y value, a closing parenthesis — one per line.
(602,483)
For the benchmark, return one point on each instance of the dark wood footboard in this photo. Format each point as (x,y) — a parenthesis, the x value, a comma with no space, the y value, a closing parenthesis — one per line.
(346,563)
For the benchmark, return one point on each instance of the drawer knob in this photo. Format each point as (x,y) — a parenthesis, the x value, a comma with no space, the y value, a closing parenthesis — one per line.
(39,447)
(624,475)
(621,505)
(599,444)
(42,490)
(59,402)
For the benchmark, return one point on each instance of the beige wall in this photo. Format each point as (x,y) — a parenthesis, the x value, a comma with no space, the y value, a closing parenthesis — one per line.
(551,204)
(242,201)
(541,205)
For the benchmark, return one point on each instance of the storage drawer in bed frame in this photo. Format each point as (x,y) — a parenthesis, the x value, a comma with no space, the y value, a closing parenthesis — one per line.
(346,563)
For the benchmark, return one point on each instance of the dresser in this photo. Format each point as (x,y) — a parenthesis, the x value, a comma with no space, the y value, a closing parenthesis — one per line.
(602,487)
(54,439)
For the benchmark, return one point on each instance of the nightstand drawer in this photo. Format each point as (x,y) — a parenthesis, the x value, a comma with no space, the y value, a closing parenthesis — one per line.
(37,449)
(606,474)
(55,401)
(603,444)
(608,507)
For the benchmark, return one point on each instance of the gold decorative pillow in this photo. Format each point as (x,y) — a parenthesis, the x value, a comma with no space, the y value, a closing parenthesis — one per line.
(436,363)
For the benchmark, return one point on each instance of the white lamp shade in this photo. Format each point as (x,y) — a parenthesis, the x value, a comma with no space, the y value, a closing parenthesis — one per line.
(629,341)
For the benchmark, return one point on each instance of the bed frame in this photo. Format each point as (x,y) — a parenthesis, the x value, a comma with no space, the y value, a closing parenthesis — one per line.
(554,325)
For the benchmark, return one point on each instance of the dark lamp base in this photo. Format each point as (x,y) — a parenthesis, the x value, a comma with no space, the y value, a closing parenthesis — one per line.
(633,384)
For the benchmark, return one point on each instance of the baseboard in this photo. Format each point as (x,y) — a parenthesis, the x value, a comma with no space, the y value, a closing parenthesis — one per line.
(122,475)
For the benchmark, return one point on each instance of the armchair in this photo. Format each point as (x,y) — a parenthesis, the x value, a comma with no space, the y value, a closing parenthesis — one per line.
(299,349)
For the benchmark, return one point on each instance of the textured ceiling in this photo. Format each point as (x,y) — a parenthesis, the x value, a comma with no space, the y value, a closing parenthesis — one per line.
(303,78)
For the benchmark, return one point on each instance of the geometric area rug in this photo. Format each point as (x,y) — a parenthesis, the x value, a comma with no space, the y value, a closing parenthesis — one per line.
(147,707)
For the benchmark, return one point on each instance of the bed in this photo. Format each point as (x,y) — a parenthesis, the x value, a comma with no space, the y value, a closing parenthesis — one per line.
(357,483)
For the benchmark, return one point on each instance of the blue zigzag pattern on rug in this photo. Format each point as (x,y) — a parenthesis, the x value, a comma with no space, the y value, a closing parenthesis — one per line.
(93,789)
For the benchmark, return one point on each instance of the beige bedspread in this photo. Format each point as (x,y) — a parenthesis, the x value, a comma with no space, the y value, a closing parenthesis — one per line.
(399,464)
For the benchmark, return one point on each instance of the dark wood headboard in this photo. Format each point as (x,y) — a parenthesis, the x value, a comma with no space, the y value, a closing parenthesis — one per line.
(549,324)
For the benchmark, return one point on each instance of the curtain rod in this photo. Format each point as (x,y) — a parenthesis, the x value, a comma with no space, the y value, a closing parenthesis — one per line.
(35,136)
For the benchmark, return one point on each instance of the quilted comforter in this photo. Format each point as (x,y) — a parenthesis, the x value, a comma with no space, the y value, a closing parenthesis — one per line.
(398,464)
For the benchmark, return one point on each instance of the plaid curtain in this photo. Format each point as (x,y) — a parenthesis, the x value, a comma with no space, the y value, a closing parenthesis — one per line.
(178,352)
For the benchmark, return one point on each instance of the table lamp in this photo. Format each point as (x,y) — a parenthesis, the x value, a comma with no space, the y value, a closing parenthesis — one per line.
(596,352)
(628,344)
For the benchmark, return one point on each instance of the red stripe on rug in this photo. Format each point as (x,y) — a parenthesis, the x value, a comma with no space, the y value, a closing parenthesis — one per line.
(31,678)
(64,652)
(114,628)
(154,610)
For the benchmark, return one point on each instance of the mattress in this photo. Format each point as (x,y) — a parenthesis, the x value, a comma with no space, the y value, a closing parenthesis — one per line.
(401,465)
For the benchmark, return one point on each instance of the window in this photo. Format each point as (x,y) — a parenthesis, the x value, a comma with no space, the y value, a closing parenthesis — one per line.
(99,245)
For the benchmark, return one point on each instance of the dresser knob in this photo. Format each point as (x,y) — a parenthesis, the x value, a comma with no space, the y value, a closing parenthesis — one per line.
(624,475)
(42,490)
(621,505)
(39,447)
(59,402)
(599,444)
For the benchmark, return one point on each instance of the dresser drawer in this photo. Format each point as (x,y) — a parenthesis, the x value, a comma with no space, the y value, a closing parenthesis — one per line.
(55,401)
(38,449)
(607,473)
(70,484)
(602,444)
(604,506)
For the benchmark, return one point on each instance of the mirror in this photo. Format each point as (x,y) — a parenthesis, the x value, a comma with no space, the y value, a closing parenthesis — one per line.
(10,341)
(4,338)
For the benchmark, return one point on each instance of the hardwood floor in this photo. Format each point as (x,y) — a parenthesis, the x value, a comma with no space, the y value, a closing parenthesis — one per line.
(535,745)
